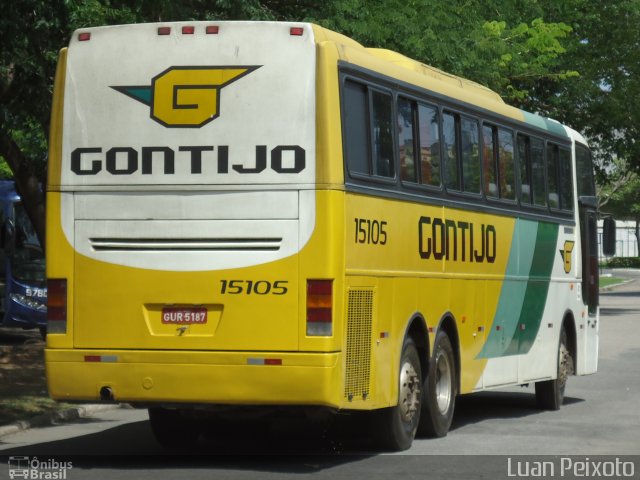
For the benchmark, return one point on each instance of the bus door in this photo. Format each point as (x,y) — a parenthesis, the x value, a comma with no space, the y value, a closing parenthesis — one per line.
(588,212)
(588,221)
(589,241)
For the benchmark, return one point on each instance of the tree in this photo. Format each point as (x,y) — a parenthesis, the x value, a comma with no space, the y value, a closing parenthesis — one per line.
(30,29)
(33,31)
(604,101)
(620,195)
(577,61)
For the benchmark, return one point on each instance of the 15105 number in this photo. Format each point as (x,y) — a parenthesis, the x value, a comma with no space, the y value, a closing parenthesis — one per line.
(253,287)
(371,232)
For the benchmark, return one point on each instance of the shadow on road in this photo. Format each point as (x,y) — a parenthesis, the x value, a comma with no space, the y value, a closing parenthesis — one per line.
(281,448)
(132,445)
(483,406)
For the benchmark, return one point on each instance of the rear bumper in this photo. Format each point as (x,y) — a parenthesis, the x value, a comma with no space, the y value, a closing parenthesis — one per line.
(229,378)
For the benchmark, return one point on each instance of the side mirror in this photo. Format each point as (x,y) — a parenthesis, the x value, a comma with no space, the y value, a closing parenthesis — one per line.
(609,237)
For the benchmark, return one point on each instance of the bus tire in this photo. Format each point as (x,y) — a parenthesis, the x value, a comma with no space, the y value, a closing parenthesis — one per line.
(172,429)
(440,389)
(550,393)
(396,426)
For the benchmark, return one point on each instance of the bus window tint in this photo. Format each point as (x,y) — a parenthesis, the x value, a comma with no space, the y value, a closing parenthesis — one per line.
(356,127)
(566,182)
(470,155)
(584,172)
(429,145)
(506,167)
(537,172)
(406,140)
(489,162)
(523,163)
(552,175)
(383,164)
(449,134)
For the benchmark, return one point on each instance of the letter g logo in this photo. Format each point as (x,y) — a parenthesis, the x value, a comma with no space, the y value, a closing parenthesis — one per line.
(186,97)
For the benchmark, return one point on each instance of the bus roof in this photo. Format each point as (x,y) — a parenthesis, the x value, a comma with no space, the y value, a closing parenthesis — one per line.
(417,73)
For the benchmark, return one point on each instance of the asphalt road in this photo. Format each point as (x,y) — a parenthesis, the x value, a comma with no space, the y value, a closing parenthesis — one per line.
(490,432)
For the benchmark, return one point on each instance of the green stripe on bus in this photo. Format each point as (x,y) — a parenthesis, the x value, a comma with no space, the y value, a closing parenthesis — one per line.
(521,304)
(537,290)
(547,124)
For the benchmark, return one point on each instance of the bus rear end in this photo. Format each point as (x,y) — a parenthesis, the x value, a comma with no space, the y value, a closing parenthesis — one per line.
(185,261)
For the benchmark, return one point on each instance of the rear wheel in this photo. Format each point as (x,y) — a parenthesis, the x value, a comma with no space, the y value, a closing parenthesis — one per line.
(550,393)
(397,426)
(172,428)
(440,389)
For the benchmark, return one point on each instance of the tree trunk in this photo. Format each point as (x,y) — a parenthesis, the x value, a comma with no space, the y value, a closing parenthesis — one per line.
(27,183)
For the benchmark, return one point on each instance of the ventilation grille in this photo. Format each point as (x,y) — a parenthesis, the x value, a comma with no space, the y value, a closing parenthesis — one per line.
(185,244)
(358,356)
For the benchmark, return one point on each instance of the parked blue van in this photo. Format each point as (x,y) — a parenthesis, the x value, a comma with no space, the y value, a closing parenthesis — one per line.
(23,283)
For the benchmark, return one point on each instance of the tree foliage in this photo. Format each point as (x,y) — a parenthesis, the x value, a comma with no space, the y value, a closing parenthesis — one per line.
(577,60)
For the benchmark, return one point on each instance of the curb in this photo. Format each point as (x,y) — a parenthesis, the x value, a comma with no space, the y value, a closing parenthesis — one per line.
(56,418)
(608,288)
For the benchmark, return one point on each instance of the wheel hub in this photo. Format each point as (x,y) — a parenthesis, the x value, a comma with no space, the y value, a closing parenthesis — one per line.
(410,394)
(443,383)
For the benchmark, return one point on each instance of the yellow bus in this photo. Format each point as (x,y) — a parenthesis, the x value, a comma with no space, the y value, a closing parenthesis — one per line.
(255,215)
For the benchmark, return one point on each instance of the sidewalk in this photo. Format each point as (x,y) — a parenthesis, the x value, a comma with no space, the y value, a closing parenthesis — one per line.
(24,400)
(56,418)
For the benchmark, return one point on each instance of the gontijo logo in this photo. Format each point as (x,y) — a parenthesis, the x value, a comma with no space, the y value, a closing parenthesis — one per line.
(186,97)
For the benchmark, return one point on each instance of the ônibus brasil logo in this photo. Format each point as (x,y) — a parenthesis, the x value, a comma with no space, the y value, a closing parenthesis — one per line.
(186,97)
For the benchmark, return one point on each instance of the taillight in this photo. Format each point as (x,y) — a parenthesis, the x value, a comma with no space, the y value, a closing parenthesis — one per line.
(319,308)
(57,305)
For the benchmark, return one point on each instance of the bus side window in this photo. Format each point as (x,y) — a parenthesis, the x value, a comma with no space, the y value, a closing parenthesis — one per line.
(407,140)
(506,166)
(537,172)
(566,180)
(524,163)
(489,161)
(552,175)
(584,172)
(356,127)
(450,139)
(383,158)
(470,155)
(429,146)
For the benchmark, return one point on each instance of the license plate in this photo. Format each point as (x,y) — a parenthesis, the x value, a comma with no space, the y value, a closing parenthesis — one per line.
(184,316)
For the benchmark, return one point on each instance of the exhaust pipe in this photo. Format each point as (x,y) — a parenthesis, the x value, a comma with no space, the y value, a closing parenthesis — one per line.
(106,394)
